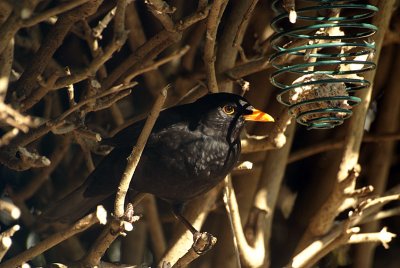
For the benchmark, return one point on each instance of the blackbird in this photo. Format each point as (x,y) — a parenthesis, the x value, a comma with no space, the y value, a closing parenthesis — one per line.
(191,148)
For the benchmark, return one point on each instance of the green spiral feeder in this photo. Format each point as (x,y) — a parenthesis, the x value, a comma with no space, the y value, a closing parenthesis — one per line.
(319,58)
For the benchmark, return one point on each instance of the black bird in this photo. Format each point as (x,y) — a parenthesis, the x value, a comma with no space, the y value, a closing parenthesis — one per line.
(191,148)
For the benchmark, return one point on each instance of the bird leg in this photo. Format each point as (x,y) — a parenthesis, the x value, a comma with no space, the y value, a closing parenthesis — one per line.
(177,211)
(202,241)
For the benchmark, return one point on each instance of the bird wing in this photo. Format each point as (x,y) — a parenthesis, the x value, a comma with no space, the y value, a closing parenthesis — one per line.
(129,135)
(104,180)
(126,137)
(101,184)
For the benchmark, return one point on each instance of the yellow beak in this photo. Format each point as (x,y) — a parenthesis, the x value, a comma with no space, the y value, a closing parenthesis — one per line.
(258,116)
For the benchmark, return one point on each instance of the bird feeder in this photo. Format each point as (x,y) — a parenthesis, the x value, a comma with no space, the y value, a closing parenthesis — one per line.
(322,47)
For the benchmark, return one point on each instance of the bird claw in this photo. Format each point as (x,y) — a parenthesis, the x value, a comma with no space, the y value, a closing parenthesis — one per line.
(203,242)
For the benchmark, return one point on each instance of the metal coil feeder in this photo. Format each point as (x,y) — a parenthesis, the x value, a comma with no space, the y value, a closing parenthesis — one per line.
(319,59)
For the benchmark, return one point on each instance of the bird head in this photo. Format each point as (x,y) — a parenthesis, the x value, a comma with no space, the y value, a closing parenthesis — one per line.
(226,113)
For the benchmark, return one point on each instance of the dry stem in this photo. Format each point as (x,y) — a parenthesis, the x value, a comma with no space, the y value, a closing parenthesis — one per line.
(251,254)
(153,65)
(36,182)
(61,8)
(6,60)
(214,18)
(202,241)
(28,80)
(161,10)
(152,48)
(102,243)
(343,232)
(51,241)
(335,144)
(6,241)
(134,157)
(10,209)
(196,213)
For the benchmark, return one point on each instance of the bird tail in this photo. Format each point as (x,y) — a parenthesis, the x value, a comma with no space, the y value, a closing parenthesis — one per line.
(72,207)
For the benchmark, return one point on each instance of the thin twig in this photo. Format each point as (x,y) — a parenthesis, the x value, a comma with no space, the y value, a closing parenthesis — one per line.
(51,241)
(93,66)
(38,94)
(382,215)
(136,153)
(14,118)
(10,209)
(28,80)
(214,18)
(6,241)
(335,144)
(248,68)
(196,213)
(149,66)
(202,241)
(161,10)
(152,48)
(98,30)
(243,24)
(154,80)
(339,194)
(113,90)
(341,233)
(319,248)
(269,187)
(227,51)
(227,189)
(7,155)
(102,243)
(8,30)
(48,126)
(194,41)
(61,8)
(256,248)
(119,21)
(383,236)
(6,61)
(19,158)
(8,136)
(36,182)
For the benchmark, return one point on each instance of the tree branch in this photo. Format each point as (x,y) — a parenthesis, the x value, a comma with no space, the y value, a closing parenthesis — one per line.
(214,18)
(136,153)
(28,79)
(253,254)
(53,240)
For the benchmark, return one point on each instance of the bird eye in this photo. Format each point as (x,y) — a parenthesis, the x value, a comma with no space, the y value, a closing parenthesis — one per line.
(228,109)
